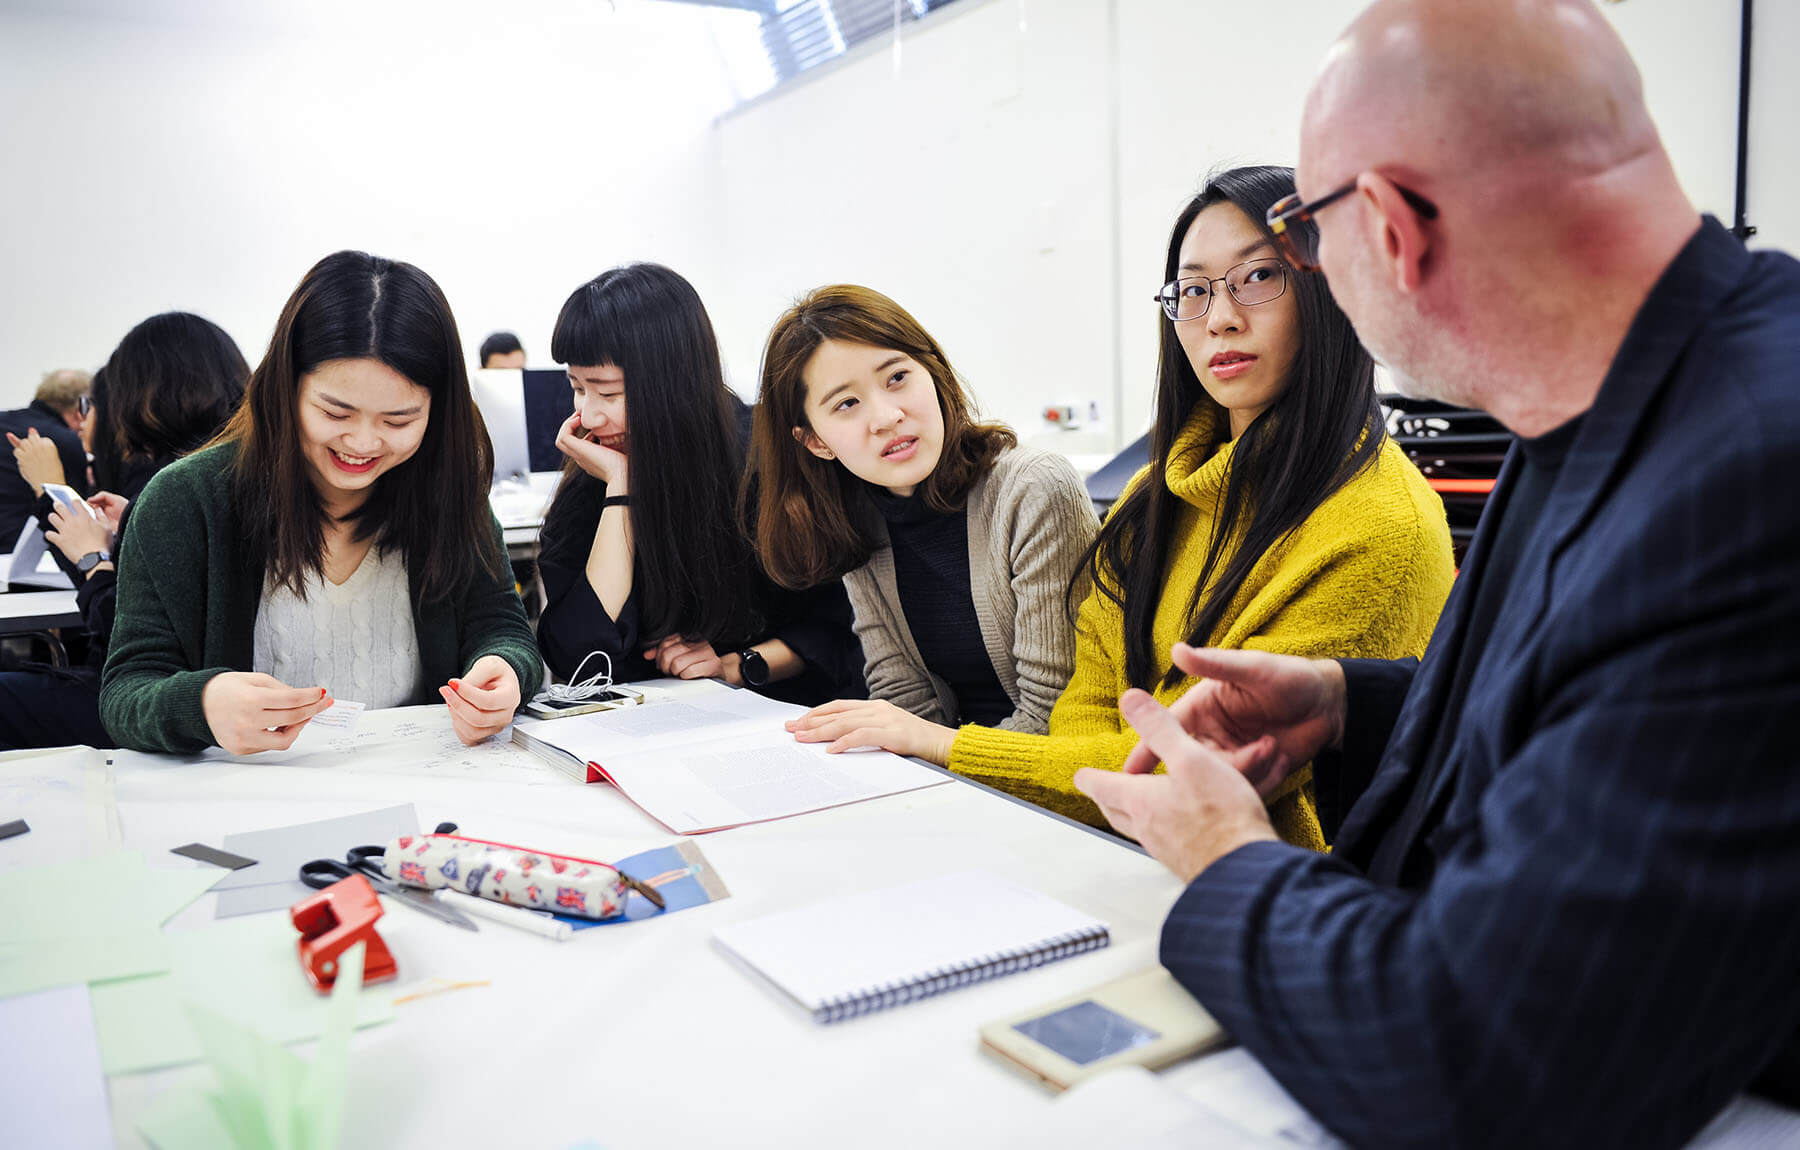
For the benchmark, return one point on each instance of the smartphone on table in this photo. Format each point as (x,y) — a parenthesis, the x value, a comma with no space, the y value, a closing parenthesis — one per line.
(610,699)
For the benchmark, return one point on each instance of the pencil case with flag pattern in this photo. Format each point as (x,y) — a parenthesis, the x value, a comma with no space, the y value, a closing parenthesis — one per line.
(519,876)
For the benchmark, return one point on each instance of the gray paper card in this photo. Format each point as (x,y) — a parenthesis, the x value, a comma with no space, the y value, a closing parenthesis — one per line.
(274,883)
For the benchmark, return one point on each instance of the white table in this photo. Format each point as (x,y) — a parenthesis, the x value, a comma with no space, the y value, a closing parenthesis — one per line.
(37,610)
(648,1035)
(520,507)
(36,613)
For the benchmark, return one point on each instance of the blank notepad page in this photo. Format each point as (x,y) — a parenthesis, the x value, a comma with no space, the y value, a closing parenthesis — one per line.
(849,955)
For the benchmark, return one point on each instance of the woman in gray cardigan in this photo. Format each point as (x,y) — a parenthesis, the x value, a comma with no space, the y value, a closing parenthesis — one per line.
(957,546)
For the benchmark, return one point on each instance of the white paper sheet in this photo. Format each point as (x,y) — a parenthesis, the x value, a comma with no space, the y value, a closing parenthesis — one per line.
(756,776)
(417,741)
(1234,1084)
(1132,1107)
(52,1091)
(30,564)
(662,725)
(1750,1124)
(67,798)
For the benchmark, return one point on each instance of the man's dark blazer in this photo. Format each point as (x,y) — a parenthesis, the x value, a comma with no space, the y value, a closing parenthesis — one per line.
(1601,945)
(16,497)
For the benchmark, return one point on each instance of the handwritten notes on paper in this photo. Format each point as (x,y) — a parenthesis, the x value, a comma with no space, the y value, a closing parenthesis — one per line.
(414,741)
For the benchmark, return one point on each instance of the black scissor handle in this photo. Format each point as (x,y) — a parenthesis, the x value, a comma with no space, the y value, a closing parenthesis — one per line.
(321,873)
(368,859)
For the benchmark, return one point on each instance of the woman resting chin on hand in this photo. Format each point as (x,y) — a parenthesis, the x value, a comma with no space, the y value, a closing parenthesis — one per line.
(642,557)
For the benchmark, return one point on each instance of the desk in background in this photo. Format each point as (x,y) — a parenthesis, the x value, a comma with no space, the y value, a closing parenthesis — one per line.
(519,505)
(37,613)
(23,611)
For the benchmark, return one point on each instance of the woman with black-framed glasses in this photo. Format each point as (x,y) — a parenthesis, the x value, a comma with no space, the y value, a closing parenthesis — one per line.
(1275,513)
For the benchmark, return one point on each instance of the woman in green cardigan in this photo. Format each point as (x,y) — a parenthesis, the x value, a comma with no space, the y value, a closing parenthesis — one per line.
(335,541)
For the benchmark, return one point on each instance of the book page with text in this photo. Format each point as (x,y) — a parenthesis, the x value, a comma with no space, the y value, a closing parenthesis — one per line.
(756,776)
(663,725)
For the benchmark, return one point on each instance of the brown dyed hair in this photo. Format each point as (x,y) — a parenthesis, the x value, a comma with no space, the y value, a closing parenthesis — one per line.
(810,517)
(433,508)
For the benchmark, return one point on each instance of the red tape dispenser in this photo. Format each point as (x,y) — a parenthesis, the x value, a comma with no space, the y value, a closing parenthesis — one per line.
(333,921)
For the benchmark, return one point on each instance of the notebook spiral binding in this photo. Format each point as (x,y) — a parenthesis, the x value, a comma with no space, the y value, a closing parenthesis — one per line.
(884,995)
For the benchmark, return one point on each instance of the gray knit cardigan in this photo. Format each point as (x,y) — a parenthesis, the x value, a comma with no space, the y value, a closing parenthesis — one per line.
(1030,520)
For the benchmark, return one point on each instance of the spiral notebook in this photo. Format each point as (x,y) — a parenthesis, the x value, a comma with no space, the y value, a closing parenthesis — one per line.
(858,953)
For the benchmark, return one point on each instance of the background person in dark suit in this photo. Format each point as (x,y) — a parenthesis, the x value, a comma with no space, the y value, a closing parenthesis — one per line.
(55,413)
(1563,905)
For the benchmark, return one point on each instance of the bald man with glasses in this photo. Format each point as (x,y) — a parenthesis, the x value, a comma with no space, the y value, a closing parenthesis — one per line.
(1563,901)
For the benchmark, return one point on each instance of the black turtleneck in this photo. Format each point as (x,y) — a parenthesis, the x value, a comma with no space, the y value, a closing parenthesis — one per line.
(1519,509)
(931,570)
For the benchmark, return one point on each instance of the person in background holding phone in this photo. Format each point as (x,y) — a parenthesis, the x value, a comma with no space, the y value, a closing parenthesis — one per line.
(168,387)
(337,536)
(45,438)
(641,555)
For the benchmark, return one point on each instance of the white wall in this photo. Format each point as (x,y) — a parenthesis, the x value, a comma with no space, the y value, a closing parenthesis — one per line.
(1010,178)
(985,163)
(201,155)
(1774,200)
(970,184)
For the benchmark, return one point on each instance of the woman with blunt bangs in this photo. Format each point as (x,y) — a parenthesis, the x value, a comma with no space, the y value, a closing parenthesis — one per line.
(957,546)
(334,540)
(641,556)
(1274,515)
(166,389)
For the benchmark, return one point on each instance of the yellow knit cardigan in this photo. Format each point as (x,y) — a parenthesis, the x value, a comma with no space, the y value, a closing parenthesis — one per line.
(1364,577)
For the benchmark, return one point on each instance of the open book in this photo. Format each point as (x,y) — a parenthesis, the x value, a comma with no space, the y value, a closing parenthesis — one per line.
(706,761)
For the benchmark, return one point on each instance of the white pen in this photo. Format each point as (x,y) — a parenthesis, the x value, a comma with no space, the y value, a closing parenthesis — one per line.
(536,921)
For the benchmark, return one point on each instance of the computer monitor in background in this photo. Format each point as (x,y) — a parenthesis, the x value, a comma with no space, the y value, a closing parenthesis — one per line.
(547,404)
(500,395)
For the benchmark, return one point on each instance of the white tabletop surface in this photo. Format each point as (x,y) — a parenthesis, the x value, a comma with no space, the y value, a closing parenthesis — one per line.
(647,1034)
(32,610)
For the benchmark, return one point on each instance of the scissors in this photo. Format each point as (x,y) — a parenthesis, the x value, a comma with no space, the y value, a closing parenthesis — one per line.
(366,861)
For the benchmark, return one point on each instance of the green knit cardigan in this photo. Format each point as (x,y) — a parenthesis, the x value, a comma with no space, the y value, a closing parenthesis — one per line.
(188,593)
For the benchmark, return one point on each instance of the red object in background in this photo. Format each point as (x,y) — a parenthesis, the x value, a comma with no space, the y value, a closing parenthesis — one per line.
(333,921)
(1461,486)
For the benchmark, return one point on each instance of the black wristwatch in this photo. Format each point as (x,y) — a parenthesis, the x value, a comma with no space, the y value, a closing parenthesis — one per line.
(753,668)
(91,560)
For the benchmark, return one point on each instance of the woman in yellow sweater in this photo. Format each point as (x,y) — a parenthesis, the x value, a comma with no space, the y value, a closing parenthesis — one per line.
(1275,515)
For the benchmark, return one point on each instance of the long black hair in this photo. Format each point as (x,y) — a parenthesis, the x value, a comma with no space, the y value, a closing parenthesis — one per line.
(167,388)
(683,426)
(433,508)
(1322,430)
